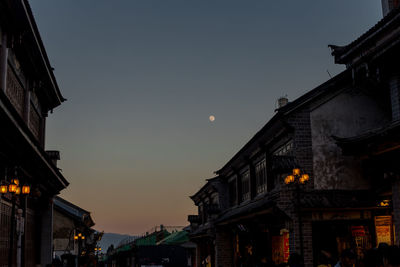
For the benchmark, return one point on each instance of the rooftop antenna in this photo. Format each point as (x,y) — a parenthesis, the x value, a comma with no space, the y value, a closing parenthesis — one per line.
(330,76)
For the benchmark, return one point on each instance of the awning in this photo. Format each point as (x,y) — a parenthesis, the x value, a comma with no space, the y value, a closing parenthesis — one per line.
(374,141)
(254,208)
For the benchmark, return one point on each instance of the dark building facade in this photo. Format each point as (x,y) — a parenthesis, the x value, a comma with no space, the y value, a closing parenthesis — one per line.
(343,135)
(28,91)
(68,222)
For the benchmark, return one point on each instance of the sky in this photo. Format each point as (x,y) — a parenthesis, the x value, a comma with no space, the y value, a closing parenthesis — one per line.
(142,78)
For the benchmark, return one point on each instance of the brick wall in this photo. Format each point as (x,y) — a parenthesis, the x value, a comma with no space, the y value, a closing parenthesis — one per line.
(223,248)
(300,121)
(302,138)
(287,203)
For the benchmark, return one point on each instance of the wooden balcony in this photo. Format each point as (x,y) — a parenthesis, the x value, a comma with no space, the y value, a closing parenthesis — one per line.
(16,93)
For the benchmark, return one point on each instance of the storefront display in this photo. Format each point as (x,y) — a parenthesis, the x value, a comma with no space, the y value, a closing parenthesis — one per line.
(384,230)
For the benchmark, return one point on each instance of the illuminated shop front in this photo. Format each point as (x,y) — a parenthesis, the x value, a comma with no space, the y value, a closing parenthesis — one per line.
(258,237)
(359,229)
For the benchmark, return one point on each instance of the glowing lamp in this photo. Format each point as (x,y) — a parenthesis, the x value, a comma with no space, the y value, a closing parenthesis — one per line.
(384,203)
(82,237)
(15,181)
(100,249)
(304,178)
(3,188)
(12,188)
(79,234)
(296,171)
(287,180)
(18,191)
(26,189)
(75,237)
(95,249)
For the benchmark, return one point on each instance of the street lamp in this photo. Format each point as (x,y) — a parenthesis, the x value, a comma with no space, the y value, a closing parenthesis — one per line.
(14,189)
(79,237)
(97,250)
(298,177)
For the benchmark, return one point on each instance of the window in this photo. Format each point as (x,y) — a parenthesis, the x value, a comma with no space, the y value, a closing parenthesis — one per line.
(284,149)
(201,212)
(232,192)
(246,186)
(215,199)
(261,176)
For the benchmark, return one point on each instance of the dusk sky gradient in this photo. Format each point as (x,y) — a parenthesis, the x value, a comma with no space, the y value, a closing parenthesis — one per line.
(143,77)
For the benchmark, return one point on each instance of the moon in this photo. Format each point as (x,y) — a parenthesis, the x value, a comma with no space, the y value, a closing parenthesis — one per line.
(211,118)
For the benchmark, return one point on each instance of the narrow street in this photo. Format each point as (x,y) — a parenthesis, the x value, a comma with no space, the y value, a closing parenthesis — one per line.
(166,139)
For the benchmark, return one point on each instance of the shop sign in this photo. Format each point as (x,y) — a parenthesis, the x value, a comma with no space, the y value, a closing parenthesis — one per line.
(286,246)
(280,247)
(383,229)
(350,215)
(357,231)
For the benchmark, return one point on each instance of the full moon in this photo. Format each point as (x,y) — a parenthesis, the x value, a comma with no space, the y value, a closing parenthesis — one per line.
(212,118)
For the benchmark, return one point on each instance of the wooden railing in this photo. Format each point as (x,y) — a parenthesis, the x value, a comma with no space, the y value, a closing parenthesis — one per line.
(16,94)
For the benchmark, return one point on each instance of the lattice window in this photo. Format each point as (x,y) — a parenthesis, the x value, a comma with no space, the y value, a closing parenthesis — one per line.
(34,122)
(232,192)
(246,186)
(261,176)
(15,92)
(215,199)
(285,149)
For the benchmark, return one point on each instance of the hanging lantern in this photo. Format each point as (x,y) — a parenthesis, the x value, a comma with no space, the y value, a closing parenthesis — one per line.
(18,191)
(12,188)
(3,187)
(304,178)
(296,172)
(26,189)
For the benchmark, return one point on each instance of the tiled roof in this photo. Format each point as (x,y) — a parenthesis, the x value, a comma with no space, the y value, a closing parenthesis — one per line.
(73,210)
(208,185)
(372,133)
(339,51)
